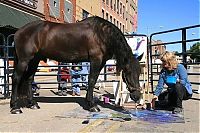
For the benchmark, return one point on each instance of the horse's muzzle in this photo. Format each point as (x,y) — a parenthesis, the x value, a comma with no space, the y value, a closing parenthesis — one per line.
(135,95)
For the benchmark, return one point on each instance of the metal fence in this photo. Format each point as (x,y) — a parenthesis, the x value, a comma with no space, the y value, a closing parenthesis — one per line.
(182,42)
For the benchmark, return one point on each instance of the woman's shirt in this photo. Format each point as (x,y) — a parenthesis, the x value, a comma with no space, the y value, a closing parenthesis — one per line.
(180,72)
(76,73)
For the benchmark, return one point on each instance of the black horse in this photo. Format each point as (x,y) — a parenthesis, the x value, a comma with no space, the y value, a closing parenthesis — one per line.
(93,40)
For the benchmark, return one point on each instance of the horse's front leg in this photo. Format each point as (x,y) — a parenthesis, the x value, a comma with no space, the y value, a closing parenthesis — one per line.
(29,76)
(31,103)
(16,84)
(15,107)
(94,73)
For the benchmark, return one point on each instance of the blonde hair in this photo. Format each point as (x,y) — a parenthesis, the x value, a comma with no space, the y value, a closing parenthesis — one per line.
(170,59)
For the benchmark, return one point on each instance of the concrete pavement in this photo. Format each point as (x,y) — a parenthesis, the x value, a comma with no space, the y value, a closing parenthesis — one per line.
(46,119)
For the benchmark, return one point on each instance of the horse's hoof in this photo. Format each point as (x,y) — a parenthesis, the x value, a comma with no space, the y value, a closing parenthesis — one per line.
(16,111)
(35,107)
(94,109)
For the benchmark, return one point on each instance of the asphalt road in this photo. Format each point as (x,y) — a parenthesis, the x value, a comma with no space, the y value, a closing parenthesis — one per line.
(52,117)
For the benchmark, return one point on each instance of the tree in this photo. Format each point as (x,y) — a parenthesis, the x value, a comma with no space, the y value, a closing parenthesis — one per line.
(195,52)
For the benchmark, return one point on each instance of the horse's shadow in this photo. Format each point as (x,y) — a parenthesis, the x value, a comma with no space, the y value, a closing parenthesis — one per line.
(80,100)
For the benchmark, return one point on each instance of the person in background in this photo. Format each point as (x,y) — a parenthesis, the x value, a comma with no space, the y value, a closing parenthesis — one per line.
(35,88)
(65,78)
(175,76)
(84,73)
(76,78)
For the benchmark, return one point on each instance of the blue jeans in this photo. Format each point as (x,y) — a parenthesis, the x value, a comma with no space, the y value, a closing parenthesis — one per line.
(175,95)
(75,85)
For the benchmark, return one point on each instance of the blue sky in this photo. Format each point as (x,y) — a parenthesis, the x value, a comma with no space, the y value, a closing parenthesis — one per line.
(162,15)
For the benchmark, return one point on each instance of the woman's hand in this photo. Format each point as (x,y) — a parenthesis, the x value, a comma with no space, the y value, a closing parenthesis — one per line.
(153,101)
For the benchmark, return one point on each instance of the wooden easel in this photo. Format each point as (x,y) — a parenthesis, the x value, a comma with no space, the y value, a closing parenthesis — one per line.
(121,93)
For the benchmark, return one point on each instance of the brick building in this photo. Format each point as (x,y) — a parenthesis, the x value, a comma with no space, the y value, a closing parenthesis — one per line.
(122,13)
(157,50)
(60,11)
(16,13)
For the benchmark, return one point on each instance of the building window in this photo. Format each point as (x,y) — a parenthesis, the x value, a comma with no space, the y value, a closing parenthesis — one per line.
(85,14)
(102,13)
(123,11)
(106,16)
(54,8)
(111,4)
(68,12)
(111,19)
(114,21)
(107,2)
(103,1)
(117,6)
(120,8)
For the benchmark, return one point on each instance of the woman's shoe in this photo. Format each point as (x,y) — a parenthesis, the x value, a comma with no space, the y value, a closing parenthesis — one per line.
(73,93)
(60,93)
(78,94)
(64,93)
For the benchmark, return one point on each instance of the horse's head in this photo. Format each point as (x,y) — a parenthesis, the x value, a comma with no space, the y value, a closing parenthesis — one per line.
(130,76)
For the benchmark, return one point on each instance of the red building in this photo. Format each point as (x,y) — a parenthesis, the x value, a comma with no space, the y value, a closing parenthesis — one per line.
(60,10)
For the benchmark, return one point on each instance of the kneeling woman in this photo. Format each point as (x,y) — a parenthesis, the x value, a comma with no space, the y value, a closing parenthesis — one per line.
(175,76)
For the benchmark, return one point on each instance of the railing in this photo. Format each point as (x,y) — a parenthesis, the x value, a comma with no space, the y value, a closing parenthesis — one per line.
(184,53)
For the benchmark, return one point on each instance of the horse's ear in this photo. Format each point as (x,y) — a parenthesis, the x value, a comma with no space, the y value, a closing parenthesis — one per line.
(140,57)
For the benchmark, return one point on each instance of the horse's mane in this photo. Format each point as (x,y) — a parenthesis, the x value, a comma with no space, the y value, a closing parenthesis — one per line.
(111,35)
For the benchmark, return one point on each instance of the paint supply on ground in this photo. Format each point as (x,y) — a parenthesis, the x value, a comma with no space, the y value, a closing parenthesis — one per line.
(117,119)
(85,122)
(132,105)
(106,99)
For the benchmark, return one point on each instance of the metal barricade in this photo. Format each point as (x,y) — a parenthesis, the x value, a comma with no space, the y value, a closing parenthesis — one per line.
(184,53)
(3,64)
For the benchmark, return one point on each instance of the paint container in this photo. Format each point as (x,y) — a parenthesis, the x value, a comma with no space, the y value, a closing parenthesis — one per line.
(106,99)
(148,106)
(85,122)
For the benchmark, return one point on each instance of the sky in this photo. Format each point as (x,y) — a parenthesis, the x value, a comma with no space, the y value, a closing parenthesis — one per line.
(161,15)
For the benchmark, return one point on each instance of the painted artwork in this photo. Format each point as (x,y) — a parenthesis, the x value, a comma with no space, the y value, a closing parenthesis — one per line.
(150,116)
(138,45)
